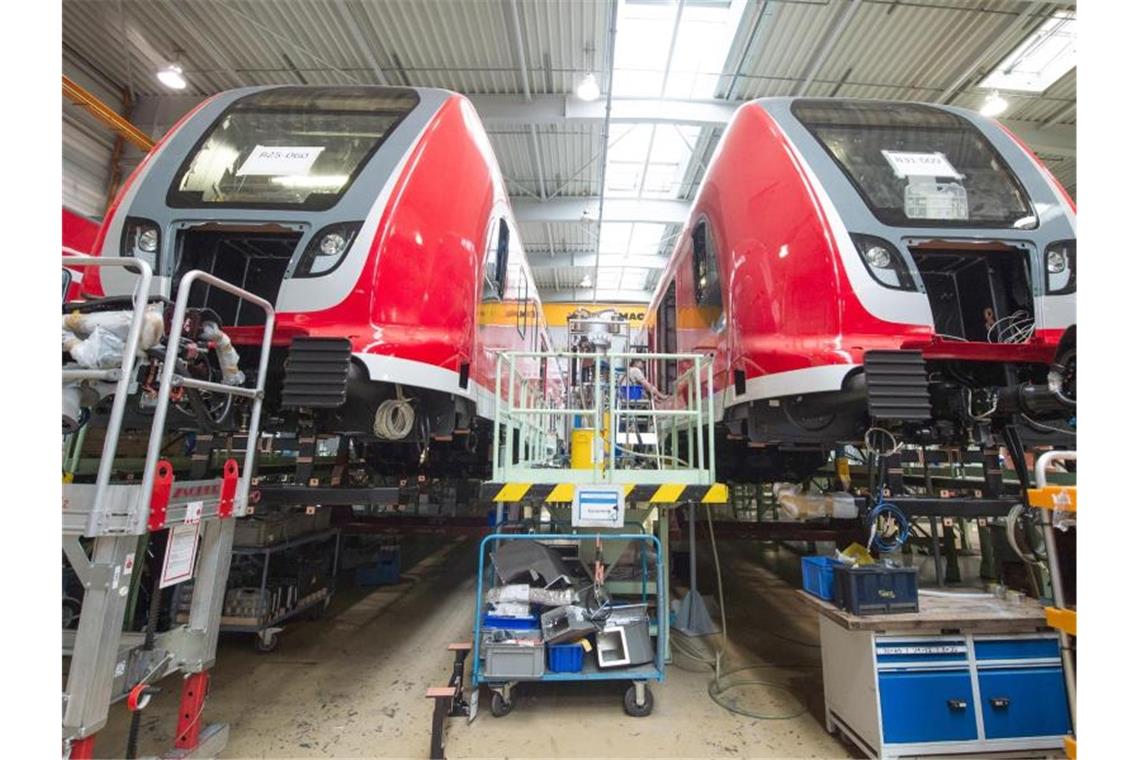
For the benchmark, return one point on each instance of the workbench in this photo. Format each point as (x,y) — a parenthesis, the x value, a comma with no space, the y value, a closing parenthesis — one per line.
(966,675)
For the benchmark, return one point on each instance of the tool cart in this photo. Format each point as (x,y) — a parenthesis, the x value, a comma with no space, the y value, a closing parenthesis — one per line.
(543,612)
(270,585)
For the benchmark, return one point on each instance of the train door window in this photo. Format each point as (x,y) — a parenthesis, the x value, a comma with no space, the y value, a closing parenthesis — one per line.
(667,337)
(542,364)
(706,278)
(522,307)
(495,266)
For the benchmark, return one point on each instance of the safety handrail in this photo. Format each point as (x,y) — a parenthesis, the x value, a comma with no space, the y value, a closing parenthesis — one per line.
(517,413)
(167,382)
(1047,459)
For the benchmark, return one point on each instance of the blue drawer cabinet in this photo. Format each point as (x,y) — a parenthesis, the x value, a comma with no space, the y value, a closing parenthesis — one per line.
(931,706)
(1009,648)
(962,694)
(1023,702)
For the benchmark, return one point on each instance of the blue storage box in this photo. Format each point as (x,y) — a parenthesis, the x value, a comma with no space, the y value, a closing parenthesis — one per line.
(876,589)
(530,623)
(385,571)
(631,393)
(819,576)
(565,658)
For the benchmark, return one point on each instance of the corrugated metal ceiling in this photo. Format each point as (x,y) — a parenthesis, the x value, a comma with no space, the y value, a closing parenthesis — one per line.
(900,49)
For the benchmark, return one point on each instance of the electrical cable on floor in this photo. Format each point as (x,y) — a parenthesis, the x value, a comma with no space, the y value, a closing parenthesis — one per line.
(717,687)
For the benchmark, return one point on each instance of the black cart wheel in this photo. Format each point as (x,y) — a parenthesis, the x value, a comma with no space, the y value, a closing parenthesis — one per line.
(500,706)
(265,643)
(632,708)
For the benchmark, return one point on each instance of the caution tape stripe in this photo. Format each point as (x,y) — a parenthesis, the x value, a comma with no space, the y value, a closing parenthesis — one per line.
(560,493)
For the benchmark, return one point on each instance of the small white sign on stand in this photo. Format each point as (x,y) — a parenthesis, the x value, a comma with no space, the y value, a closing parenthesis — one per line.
(181,550)
(915,164)
(598,507)
(279,160)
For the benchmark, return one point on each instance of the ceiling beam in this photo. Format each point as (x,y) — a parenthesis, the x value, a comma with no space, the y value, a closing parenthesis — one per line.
(1001,44)
(346,17)
(824,51)
(586,295)
(585,208)
(590,260)
(514,29)
(558,109)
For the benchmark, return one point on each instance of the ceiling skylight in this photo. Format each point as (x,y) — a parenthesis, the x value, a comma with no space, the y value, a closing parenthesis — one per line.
(1043,58)
(663,49)
(703,41)
(648,160)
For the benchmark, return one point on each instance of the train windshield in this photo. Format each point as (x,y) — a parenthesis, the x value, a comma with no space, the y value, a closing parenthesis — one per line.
(290,147)
(916,165)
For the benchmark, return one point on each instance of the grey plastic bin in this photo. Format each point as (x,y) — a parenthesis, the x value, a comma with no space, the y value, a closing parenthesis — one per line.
(515,662)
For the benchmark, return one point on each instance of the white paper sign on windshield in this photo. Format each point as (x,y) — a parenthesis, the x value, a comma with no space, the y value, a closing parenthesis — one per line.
(279,160)
(909,164)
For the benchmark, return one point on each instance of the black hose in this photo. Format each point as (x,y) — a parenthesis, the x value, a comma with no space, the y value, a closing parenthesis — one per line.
(148,645)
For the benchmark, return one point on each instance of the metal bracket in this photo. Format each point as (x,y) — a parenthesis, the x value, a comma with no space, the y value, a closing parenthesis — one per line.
(160,495)
(185,645)
(229,488)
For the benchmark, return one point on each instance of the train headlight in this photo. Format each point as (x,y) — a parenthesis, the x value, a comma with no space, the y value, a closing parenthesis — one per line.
(142,240)
(1061,267)
(148,240)
(327,249)
(1056,261)
(878,257)
(884,262)
(333,244)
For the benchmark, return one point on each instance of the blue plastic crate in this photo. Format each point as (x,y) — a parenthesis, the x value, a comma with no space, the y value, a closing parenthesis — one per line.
(819,576)
(385,571)
(565,658)
(876,589)
(529,623)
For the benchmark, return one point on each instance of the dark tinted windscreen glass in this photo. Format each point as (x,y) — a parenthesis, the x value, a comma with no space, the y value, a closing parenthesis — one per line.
(918,165)
(291,147)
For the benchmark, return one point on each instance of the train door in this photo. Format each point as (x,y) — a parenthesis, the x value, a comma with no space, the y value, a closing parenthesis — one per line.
(665,339)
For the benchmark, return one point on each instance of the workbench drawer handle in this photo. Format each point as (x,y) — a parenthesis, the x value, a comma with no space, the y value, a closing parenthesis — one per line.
(956,704)
(999,703)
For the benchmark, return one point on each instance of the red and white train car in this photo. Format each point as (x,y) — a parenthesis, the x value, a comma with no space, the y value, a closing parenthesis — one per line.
(377,222)
(856,264)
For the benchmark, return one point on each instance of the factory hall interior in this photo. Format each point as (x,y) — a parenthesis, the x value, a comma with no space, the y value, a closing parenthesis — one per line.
(574,378)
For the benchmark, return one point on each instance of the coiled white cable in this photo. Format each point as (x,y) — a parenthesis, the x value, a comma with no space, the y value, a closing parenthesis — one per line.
(1017,327)
(394,417)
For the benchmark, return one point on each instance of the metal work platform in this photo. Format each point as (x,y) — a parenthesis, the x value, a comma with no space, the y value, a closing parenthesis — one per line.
(103,522)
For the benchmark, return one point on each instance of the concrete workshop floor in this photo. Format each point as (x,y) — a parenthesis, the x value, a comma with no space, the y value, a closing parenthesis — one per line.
(353,684)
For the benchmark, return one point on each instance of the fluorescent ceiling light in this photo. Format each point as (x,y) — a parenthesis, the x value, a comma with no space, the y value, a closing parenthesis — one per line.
(172,77)
(1043,58)
(588,88)
(994,105)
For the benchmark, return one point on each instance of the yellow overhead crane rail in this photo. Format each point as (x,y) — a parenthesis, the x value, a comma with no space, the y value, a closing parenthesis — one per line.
(106,114)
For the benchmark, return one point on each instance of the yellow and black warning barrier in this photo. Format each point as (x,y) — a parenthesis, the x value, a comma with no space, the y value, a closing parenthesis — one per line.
(556,493)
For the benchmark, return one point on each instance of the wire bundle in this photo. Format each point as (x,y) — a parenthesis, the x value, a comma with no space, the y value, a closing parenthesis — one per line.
(1017,327)
(878,541)
(394,417)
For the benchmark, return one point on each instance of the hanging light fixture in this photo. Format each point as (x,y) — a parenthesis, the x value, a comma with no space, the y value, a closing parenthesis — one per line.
(172,77)
(994,105)
(588,88)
